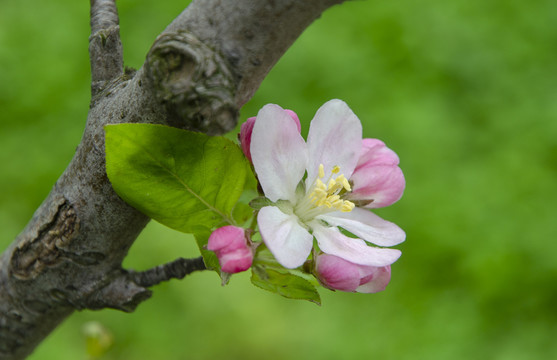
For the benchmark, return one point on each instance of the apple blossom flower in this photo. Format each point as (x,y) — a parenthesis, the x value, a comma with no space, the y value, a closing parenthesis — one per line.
(230,245)
(311,186)
(338,274)
(247,128)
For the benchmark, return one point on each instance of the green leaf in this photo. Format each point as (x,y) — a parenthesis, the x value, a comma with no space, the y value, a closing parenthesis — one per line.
(209,258)
(180,178)
(242,213)
(264,258)
(285,284)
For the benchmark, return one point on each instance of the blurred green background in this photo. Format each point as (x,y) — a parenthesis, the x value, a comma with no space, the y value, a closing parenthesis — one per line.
(464,91)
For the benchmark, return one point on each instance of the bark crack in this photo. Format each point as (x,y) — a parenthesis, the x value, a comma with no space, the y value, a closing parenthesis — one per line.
(31,257)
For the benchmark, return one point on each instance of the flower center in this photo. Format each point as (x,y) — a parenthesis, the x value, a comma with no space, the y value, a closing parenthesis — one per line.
(325,196)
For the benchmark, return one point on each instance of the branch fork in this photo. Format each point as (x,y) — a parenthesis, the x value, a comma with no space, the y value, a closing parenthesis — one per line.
(207,63)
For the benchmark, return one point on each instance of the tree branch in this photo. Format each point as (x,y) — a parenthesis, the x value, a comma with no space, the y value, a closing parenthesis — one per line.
(176,269)
(199,72)
(105,47)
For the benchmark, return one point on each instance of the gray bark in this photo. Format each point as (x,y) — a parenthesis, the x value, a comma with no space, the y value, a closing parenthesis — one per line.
(206,64)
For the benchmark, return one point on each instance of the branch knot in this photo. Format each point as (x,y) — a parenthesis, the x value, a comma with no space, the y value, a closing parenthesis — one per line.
(194,82)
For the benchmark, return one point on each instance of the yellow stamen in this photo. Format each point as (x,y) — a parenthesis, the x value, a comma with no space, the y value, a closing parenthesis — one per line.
(320,192)
(347,206)
(338,204)
(320,185)
(321,171)
(346,184)
(325,194)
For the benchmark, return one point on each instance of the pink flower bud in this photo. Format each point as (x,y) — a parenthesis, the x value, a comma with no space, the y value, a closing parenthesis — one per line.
(336,273)
(247,128)
(232,249)
(377,178)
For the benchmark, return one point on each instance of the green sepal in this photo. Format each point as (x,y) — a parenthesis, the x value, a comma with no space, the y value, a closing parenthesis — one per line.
(285,284)
(209,257)
(260,202)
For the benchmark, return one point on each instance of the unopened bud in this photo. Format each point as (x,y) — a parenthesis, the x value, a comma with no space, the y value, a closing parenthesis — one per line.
(231,246)
(336,273)
(377,180)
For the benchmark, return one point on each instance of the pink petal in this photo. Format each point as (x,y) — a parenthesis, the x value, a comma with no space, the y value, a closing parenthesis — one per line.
(231,248)
(278,152)
(368,226)
(331,241)
(227,238)
(377,279)
(337,274)
(370,143)
(236,261)
(294,117)
(245,136)
(289,242)
(383,185)
(374,152)
(334,139)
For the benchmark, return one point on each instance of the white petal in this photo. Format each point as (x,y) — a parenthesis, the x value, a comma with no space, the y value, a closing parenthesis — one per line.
(289,242)
(368,226)
(278,152)
(334,139)
(331,241)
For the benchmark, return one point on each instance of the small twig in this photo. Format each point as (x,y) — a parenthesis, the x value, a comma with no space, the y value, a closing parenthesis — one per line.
(105,48)
(176,269)
(104,15)
(126,289)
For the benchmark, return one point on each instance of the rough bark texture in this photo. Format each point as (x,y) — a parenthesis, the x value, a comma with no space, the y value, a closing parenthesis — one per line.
(207,63)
